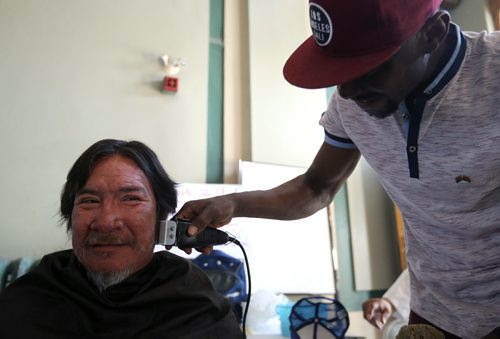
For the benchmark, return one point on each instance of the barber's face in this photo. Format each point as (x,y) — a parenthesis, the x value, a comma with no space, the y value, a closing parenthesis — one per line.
(114,218)
(380,91)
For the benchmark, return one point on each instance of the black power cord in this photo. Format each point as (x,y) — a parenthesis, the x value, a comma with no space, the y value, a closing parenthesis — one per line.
(174,232)
(249,289)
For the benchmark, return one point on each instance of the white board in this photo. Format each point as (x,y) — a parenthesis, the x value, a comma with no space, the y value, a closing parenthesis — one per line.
(292,257)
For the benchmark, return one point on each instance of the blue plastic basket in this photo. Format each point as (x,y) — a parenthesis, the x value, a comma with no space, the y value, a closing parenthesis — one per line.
(319,311)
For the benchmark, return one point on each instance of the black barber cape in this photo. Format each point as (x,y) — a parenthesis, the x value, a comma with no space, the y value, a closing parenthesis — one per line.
(169,298)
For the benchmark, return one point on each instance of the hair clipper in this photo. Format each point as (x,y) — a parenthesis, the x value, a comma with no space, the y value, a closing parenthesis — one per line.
(174,233)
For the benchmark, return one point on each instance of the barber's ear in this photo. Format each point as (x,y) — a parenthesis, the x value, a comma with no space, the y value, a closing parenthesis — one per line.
(435,30)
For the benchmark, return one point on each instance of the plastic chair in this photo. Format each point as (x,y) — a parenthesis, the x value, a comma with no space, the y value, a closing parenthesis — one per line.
(4,263)
(227,274)
(15,269)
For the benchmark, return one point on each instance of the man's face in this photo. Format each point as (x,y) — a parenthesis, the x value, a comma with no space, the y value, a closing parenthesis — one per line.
(114,218)
(380,91)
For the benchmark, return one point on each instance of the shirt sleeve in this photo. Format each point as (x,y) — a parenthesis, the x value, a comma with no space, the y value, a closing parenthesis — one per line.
(331,121)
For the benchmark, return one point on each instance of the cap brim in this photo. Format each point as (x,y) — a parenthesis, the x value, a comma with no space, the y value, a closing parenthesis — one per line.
(310,67)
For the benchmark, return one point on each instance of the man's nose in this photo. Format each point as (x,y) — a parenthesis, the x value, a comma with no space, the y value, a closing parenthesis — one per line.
(108,217)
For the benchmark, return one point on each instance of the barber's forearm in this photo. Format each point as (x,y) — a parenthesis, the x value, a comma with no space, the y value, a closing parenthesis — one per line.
(291,200)
(305,194)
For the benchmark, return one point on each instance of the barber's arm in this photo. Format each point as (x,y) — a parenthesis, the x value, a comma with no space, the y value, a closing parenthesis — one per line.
(295,199)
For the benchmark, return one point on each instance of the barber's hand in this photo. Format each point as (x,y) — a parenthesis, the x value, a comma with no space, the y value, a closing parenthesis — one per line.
(214,212)
(377,311)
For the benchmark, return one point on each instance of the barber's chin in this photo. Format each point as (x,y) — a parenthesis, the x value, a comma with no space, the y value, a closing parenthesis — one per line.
(380,113)
(379,109)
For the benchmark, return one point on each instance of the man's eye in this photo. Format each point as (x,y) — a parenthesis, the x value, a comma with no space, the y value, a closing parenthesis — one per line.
(88,201)
(131,198)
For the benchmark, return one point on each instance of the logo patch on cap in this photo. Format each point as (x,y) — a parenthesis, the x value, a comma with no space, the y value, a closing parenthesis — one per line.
(321,24)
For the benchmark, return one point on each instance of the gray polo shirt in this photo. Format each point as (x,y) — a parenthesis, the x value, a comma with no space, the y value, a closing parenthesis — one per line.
(438,158)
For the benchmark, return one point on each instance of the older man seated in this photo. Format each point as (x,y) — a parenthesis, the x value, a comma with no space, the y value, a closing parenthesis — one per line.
(111,284)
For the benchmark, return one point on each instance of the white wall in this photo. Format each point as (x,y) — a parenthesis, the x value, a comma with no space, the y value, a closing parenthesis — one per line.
(236,88)
(284,118)
(473,15)
(74,72)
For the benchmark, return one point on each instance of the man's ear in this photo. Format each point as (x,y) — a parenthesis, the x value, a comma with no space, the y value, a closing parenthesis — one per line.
(435,30)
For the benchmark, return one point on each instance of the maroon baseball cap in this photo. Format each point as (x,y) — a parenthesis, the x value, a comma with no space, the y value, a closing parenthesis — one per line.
(351,38)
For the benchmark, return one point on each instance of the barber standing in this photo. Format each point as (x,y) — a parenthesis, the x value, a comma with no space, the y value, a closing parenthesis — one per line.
(420,100)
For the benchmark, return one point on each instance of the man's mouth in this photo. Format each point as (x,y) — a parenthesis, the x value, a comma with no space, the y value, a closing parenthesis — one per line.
(106,245)
(105,241)
(106,248)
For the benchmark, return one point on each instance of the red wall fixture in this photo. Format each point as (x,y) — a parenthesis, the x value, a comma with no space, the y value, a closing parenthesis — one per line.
(170,84)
